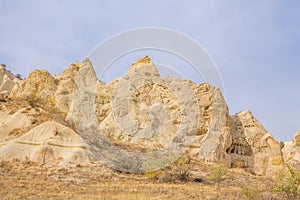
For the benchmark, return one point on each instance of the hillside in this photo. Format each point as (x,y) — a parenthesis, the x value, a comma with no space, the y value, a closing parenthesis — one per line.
(72,135)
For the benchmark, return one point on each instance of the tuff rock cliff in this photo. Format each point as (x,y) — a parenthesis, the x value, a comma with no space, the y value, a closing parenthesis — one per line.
(61,119)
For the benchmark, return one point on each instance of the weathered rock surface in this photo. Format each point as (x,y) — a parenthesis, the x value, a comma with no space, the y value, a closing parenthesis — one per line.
(129,117)
(291,151)
(49,142)
(7,80)
(65,86)
(264,155)
(147,112)
(10,122)
(39,83)
(41,86)
(296,139)
(217,139)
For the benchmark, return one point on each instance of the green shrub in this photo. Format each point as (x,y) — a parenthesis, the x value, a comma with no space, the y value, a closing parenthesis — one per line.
(183,168)
(177,172)
(218,173)
(33,99)
(287,183)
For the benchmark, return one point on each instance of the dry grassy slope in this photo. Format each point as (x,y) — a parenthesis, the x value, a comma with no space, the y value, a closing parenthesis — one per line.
(42,98)
(33,181)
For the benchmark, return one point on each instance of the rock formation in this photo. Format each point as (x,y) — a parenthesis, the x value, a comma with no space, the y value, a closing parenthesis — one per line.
(256,148)
(75,118)
(291,151)
(7,80)
(48,142)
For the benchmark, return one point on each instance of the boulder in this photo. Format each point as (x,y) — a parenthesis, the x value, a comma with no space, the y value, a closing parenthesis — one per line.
(49,143)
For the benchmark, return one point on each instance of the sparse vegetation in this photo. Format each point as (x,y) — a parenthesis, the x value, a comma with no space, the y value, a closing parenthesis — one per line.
(288,183)
(33,99)
(153,174)
(48,178)
(19,76)
(178,172)
(3,97)
(250,192)
(183,168)
(218,173)
(20,180)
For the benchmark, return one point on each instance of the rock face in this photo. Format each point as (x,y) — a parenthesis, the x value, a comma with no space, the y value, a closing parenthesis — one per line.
(41,86)
(291,151)
(296,139)
(131,117)
(145,107)
(22,136)
(217,139)
(7,80)
(10,122)
(255,148)
(48,142)
(65,86)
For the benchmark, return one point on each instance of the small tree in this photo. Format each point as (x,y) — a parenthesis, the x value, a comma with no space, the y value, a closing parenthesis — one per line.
(217,175)
(19,76)
(287,182)
(182,168)
(33,99)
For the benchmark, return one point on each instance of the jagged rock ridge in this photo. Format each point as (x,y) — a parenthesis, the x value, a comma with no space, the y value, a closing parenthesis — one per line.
(153,116)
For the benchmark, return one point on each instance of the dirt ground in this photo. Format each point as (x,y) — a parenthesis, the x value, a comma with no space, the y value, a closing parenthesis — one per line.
(27,180)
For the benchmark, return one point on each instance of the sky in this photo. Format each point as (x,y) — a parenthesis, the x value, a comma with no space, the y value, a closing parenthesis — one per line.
(254,44)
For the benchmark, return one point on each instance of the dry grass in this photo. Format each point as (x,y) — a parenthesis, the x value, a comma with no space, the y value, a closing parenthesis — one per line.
(27,180)
(184,180)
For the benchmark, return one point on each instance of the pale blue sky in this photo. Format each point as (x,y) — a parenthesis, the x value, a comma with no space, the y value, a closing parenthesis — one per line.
(255,44)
